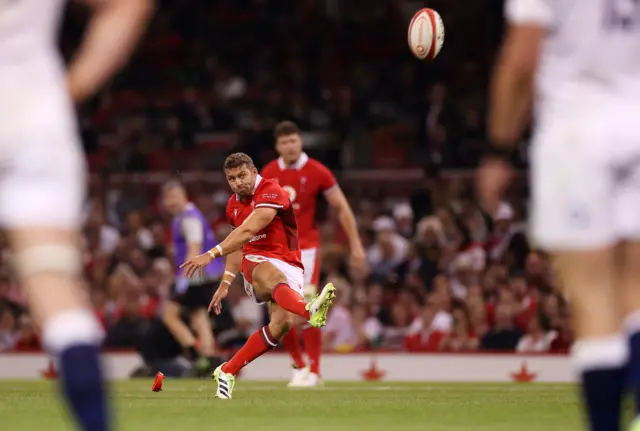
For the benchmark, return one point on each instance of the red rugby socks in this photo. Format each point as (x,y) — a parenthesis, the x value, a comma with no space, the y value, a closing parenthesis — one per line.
(288,299)
(312,340)
(259,343)
(291,343)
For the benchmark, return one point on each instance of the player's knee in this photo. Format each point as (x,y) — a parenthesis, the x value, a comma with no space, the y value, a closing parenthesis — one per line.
(48,258)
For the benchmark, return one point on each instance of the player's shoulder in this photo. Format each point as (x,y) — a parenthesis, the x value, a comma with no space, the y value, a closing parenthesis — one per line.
(268,184)
(315,166)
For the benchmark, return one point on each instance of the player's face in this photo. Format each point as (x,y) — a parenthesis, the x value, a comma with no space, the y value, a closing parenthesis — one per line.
(289,147)
(242,180)
(174,200)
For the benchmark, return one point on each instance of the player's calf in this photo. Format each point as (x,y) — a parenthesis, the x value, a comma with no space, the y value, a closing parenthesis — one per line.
(70,331)
(600,353)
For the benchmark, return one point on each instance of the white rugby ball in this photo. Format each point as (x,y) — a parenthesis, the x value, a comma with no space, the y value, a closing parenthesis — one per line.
(426,34)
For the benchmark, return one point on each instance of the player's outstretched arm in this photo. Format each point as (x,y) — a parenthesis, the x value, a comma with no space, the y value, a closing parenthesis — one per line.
(512,85)
(336,198)
(511,95)
(114,29)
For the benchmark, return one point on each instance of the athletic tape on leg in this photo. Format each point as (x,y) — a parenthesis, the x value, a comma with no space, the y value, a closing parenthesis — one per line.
(62,258)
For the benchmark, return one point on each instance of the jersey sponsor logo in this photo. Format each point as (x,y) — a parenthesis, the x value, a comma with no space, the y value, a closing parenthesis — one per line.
(255,258)
(291,192)
(258,237)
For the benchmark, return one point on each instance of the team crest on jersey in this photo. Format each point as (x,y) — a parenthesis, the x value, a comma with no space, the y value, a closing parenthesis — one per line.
(291,192)
(303,183)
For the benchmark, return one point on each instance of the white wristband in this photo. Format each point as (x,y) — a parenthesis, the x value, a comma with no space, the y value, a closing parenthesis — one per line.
(230,274)
(226,282)
(218,249)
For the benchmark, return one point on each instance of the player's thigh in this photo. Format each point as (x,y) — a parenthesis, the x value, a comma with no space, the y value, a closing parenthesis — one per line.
(573,192)
(42,188)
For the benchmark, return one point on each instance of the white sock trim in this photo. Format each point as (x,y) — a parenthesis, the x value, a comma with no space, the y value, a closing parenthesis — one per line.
(632,322)
(600,353)
(70,328)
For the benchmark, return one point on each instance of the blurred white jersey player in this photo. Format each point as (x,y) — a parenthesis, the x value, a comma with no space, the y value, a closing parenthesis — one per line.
(42,174)
(579,60)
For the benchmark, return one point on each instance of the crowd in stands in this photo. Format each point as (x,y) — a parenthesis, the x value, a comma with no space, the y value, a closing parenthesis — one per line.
(453,279)
(445,276)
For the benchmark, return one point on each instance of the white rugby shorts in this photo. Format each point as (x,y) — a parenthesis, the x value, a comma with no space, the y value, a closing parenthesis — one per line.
(585,176)
(42,166)
(311,267)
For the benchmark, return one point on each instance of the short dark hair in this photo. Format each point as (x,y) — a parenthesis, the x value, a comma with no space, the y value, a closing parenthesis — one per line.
(285,128)
(237,160)
(171,184)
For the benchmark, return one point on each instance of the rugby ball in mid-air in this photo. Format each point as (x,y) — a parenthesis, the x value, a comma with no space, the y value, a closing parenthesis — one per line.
(426,34)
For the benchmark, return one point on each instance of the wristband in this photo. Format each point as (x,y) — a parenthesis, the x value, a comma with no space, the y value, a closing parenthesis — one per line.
(226,282)
(212,252)
(230,274)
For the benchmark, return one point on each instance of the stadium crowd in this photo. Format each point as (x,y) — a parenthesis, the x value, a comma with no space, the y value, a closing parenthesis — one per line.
(445,276)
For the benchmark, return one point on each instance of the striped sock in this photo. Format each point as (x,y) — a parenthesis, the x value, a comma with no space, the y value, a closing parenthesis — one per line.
(259,343)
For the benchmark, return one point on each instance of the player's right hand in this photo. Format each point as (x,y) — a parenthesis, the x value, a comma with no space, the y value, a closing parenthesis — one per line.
(196,263)
(216,302)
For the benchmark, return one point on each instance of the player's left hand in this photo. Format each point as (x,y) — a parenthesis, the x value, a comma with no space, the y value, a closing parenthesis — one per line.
(197,262)
(492,179)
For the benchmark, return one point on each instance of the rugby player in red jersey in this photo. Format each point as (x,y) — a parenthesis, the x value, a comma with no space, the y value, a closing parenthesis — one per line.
(264,246)
(305,179)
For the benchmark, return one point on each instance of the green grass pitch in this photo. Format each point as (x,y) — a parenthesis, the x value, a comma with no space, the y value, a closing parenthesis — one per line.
(190,405)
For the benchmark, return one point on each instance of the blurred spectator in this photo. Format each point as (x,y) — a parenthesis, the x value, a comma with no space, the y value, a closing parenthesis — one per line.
(538,338)
(504,335)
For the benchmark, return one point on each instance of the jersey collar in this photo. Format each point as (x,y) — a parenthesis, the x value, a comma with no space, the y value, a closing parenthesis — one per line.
(299,164)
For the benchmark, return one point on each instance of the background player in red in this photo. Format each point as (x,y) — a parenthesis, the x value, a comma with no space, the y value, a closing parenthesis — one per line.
(264,246)
(305,179)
